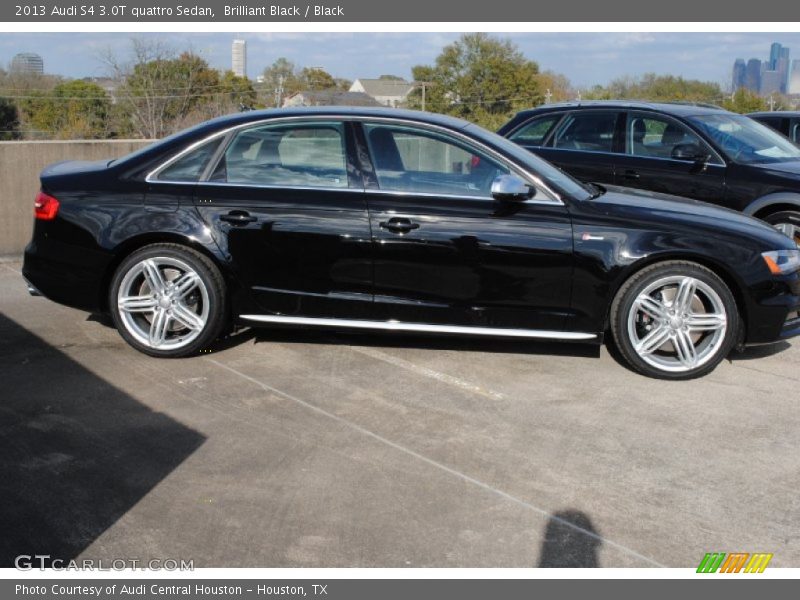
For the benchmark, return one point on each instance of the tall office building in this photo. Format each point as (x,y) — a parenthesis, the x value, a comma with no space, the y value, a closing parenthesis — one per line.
(779,62)
(739,74)
(770,81)
(239,58)
(27,62)
(752,79)
(794,78)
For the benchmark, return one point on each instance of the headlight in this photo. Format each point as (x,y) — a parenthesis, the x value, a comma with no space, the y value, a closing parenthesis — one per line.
(782,262)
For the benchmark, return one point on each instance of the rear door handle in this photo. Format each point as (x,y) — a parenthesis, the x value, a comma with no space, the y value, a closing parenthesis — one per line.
(238,217)
(631,174)
(399,225)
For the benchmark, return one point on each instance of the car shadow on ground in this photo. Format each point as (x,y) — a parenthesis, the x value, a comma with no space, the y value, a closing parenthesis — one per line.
(76,453)
(570,541)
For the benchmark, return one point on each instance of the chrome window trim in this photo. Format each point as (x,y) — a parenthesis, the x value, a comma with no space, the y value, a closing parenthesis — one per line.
(532,178)
(421,327)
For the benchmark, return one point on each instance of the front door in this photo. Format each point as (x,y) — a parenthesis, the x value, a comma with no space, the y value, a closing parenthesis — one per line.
(445,252)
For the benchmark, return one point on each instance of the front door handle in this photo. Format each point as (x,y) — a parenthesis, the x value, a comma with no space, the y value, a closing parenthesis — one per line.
(399,225)
(631,174)
(238,217)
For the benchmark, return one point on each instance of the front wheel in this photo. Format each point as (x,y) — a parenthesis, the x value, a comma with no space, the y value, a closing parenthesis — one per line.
(674,320)
(168,300)
(787,222)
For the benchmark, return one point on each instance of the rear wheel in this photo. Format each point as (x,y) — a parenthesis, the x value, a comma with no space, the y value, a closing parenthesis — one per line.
(787,222)
(168,300)
(674,320)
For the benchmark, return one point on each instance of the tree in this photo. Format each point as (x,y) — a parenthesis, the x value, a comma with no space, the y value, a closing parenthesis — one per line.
(479,78)
(558,85)
(9,120)
(744,101)
(657,88)
(391,78)
(160,89)
(280,80)
(315,79)
(73,110)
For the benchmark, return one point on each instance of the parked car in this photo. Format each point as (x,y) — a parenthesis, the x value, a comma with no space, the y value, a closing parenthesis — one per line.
(695,151)
(785,122)
(389,220)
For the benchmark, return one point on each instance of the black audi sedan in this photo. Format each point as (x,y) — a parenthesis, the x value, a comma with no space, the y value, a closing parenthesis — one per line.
(785,122)
(389,220)
(695,151)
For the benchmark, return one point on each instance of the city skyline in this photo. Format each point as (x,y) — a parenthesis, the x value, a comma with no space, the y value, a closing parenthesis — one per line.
(776,75)
(587,59)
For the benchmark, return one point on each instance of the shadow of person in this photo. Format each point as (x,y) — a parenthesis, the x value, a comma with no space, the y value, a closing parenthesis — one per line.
(570,541)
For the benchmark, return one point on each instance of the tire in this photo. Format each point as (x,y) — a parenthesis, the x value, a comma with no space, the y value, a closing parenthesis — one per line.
(787,222)
(186,312)
(674,320)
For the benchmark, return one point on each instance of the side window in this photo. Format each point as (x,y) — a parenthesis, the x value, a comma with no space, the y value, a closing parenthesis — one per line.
(794,131)
(588,131)
(656,137)
(302,155)
(535,132)
(190,166)
(411,160)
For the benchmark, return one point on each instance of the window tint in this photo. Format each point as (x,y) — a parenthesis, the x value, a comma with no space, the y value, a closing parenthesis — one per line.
(191,165)
(589,131)
(410,160)
(308,155)
(794,131)
(535,132)
(746,141)
(654,136)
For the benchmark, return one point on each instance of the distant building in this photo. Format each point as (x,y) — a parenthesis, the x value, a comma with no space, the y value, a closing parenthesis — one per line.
(770,81)
(329,98)
(752,79)
(739,74)
(387,92)
(27,62)
(239,58)
(794,78)
(779,61)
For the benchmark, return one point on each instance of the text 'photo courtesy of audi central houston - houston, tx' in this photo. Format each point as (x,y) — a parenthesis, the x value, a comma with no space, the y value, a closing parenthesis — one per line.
(402,221)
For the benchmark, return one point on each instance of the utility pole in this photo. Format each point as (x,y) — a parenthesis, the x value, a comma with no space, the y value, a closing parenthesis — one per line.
(279,91)
(771,103)
(423,85)
(547,96)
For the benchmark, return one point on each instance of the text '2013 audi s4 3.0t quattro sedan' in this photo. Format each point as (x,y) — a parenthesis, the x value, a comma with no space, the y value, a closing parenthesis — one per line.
(380,219)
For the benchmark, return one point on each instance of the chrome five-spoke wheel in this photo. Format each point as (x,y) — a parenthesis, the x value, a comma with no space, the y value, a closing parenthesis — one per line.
(167,300)
(677,323)
(674,320)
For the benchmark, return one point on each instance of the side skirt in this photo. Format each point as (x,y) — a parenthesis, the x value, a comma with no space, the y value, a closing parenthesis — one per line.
(422,327)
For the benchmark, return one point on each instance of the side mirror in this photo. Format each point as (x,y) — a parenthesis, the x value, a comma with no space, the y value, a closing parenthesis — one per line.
(690,152)
(511,187)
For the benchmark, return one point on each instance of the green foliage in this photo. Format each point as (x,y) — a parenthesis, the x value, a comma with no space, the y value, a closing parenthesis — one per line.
(238,90)
(72,110)
(744,101)
(479,78)
(657,88)
(9,120)
(316,80)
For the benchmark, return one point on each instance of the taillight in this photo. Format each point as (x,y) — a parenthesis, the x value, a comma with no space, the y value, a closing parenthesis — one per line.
(46,207)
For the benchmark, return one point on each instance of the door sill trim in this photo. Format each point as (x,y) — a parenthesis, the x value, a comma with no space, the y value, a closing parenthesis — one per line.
(422,327)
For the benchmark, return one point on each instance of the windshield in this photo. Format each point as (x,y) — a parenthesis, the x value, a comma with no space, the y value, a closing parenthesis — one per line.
(746,141)
(551,174)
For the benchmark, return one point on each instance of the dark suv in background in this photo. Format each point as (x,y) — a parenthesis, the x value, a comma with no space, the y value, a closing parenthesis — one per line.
(785,122)
(695,151)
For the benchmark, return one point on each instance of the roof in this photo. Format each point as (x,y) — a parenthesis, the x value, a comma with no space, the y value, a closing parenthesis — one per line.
(776,113)
(335,98)
(385,87)
(681,109)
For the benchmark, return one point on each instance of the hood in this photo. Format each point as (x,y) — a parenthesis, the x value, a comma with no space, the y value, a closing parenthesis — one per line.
(672,211)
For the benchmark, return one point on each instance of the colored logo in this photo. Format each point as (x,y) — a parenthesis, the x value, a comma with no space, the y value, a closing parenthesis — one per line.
(735,562)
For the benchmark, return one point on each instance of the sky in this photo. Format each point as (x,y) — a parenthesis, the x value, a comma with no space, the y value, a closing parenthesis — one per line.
(585,58)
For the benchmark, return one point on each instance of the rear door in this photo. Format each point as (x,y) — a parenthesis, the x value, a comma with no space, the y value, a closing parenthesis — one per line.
(286,204)
(649,162)
(584,144)
(445,251)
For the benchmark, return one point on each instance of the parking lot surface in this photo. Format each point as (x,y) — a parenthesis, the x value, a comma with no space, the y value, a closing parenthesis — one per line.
(323,449)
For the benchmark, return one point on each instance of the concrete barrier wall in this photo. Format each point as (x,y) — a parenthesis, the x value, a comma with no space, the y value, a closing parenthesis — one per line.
(20,164)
